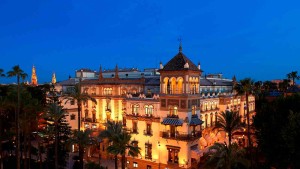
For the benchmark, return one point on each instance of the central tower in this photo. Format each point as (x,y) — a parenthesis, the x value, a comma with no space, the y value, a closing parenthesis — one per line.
(180,111)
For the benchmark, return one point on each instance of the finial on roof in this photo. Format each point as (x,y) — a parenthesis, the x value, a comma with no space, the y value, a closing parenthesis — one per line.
(180,44)
(199,66)
(100,72)
(161,66)
(234,79)
(186,65)
(53,78)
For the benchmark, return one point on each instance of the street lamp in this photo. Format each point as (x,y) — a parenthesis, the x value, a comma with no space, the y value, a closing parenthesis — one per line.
(158,154)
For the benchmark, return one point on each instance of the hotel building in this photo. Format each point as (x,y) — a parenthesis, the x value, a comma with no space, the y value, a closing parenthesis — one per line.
(170,112)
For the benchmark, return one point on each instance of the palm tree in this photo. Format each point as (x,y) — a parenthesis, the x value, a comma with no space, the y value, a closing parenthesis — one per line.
(245,87)
(19,73)
(83,139)
(55,114)
(120,140)
(221,156)
(284,85)
(229,122)
(75,94)
(1,73)
(93,165)
(294,76)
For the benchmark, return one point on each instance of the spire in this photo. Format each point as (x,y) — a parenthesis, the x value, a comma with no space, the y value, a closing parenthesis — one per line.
(100,73)
(53,78)
(199,66)
(117,72)
(180,44)
(33,77)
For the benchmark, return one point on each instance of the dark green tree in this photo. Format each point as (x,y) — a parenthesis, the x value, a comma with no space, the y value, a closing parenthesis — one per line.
(221,156)
(20,74)
(277,131)
(83,140)
(120,142)
(75,94)
(229,122)
(294,76)
(1,73)
(59,130)
(245,87)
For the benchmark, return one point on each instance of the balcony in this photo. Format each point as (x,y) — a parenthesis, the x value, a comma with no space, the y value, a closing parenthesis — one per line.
(146,117)
(181,136)
(148,132)
(172,116)
(133,131)
(90,120)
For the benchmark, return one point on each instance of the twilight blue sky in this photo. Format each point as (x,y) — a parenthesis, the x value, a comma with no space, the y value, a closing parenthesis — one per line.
(255,38)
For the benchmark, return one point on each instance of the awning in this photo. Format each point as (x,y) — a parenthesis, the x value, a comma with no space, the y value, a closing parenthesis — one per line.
(196,153)
(172,121)
(195,122)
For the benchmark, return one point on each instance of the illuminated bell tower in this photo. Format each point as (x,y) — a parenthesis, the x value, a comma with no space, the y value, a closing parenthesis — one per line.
(53,78)
(33,77)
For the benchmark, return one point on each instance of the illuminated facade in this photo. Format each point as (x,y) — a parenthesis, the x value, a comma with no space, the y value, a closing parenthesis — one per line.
(170,113)
(34,81)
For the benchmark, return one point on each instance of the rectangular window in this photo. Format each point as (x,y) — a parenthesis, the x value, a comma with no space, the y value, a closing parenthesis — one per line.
(73,116)
(148,151)
(135,165)
(134,127)
(173,155)
(148,166)
(72,102)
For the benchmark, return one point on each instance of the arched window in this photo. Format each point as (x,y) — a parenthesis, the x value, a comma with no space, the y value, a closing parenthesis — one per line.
(194,108)
(148,110)
(135,109)
(173,111)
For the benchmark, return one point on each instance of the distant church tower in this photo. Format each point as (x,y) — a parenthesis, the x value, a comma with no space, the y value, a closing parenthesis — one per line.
(33,77)
(53,78)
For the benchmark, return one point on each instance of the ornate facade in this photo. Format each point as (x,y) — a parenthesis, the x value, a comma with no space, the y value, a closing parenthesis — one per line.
(170,114)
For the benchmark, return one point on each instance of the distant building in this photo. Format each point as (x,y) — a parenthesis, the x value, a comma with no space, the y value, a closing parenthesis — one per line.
(34,80)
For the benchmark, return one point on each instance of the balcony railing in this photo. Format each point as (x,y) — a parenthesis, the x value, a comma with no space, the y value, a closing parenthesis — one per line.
(148,132)
(145,117)
(181,136)
(90,120)
(133,131)
(172,116)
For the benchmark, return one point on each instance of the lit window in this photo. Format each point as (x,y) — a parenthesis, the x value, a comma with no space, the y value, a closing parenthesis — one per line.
(149,110)
(107,91)
(173,111)
(193,110)
(135,164)
(135,109)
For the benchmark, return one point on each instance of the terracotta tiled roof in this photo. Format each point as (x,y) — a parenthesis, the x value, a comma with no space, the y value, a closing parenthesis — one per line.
(178,62)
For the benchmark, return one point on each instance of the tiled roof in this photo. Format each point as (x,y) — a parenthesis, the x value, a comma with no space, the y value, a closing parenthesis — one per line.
(178,62)
(152,80)
(215,82)
(172,121)
(195,121)
(67,82)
